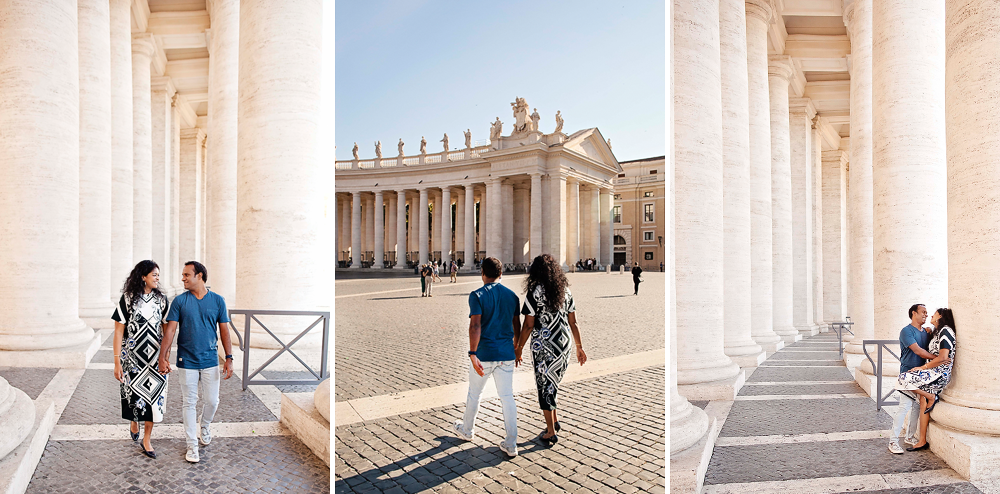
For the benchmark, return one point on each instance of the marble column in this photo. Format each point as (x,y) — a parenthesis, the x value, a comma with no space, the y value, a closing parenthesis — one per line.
(535,242)
(190,205)
(494,219)
(223,98)
(400,229)
(573,227)
(369,225)
(40,190)
(379,243)
(698,215)
(162,93)
(17,418)
(344,226)
(485,230)
(279,208)
(909,161)
(470,228)
(595,224)
(969,413)
(507,236)
(95,164)
(422,226)
(817,212)
(121,144)
(142,148)
(858,17)
(446,245)
(177,264)
(834,229)
(460,244)
(203,198)
(522,226)
(779,70)
(607,227)
(556,221)
(800,114)
(390,224)
(758,15)
(355,230)
(435,235)
(739,346)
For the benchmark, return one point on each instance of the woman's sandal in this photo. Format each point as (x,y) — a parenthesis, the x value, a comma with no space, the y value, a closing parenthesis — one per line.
(937,398)
(135,435)
(925,446)
(150,453)
(549,442)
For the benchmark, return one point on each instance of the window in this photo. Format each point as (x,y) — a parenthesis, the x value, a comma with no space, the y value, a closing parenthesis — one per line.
(649,256)
(647,236)
(618,196)
(621,175)
(619,240)
(652,172)
(647,194)
(617,214)
(648,213)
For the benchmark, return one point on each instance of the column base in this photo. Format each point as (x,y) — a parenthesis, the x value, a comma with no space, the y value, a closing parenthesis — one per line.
(73,357)
(864,375)
(400,267)
(772,347)
(807,330)
(973,456)
(19,465)
(688,467)
(790,338)
(725,389)
(749,361)
(299,414)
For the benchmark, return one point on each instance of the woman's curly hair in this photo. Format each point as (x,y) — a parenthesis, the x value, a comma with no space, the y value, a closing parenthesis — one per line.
(545,272)
(134,287)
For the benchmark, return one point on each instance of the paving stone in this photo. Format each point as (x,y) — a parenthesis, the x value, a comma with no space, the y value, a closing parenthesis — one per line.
(700,404)
(779,374)
(31,380)
(228,465)
(772,417)
(812,363)
(800,389)
(810,355)
(103,357)
(293,375)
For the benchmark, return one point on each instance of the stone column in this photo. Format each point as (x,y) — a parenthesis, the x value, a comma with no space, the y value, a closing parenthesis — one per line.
(493,225)
(758,15)
(162,93)
(142,152)
(203,198)
(779,71)
(446,246)
(369,224)
(967,421)
(535,242)
(460,244)
(422,226)
(485,230)
(858,17)
(177,264)
(817,212)
(379,230)
(573,228)
(40,190)
(279,206)
(190,205)
(344,225)
(800,115)
(390,224)
(555,224)
(909,167)
(435,225)
(739,346)
(223,98)
(834,228)
(607,227)
(698,178)
(121,145)
(507,237)
(470,228)
(400,229)
(356,230)
(95,164)
(595,223)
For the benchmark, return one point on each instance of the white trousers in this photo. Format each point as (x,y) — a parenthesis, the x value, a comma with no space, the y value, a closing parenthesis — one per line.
(191,380)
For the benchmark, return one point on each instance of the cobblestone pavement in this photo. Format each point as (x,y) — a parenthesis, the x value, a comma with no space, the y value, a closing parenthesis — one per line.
(390,339)
(612,440)
(31,380)
(788,413)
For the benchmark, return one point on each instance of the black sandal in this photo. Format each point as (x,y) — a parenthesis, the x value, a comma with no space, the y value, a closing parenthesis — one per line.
(549,442)
(135,435)
(937,398)
(150,453)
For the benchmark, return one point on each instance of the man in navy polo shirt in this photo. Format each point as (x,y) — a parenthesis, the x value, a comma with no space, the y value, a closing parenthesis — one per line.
(198,312)
(494,326)
(913,340)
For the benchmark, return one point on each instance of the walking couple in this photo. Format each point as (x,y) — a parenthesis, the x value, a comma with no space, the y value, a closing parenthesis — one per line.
(144,331)
(497,338)
(925,364)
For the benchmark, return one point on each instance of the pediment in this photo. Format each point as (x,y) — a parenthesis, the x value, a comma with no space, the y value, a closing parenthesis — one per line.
(590,143)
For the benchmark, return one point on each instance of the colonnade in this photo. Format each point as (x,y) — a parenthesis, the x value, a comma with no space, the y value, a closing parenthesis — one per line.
(902,212)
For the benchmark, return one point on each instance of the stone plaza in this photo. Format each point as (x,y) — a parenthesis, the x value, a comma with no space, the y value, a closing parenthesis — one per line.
(833,159)
(402,378)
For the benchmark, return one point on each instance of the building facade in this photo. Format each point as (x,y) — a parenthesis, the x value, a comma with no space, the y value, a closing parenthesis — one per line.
(639,214)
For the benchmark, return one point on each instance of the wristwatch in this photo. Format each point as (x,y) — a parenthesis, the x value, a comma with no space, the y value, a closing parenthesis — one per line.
(472,353)
(229,357)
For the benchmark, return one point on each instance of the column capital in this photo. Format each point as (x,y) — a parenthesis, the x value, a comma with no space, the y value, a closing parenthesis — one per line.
(193,133)
(760,9)
(163,84)
(802,106)
(836,155)
(143,44)
(780,66)
(849,15)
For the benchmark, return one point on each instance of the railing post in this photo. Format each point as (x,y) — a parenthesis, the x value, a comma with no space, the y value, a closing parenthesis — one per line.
(246,352)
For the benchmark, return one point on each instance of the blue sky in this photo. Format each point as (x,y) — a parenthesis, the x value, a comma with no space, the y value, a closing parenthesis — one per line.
(406,69)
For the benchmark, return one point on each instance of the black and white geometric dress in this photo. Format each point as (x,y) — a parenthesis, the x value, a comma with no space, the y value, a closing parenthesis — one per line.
(144,390)
(550,343)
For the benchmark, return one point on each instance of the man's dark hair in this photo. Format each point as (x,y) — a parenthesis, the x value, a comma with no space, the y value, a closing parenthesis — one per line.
(913,308)
(199,268)
(492,267)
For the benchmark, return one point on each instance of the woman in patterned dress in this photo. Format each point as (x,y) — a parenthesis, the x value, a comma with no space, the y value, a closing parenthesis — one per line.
(550,316)
(928,380)
(139,320)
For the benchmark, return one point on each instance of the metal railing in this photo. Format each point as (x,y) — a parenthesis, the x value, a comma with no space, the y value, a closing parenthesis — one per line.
(880,400)
(840,327)
(244,345)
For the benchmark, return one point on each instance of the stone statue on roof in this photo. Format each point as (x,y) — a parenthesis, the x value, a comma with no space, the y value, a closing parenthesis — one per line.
(423,145)
(378,149)
(468,138)
(535,117)
(445,141)
(559,122)
(355,150)
(400,146)
(520,108)
(496,128)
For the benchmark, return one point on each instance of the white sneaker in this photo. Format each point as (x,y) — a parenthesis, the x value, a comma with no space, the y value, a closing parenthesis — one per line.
(206,437)
(912,441)
(192,455)
(457,428)
(894,448)
(510,453)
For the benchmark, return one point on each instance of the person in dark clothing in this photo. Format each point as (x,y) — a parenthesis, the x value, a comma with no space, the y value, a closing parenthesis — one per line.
(636,271)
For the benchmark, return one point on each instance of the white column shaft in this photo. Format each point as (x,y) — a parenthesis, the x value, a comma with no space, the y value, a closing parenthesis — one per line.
(607,227)
(446,247)
(460,243)
(573,226)
(817,187)
(189,213)
(422,226)
(535,242)
(507,232)
(142,149)
(121,144)
(176,265)
(595,223)
(800,117)
(834,228)
(401,229)
(379,210)
(470,227)
(161,95)
(779,71)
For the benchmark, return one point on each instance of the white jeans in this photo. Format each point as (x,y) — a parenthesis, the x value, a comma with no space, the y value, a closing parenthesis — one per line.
(503,378)
(209,380)
(907,407)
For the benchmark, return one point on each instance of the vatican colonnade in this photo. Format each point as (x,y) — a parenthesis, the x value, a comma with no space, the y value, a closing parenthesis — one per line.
(833,158)
(513,197)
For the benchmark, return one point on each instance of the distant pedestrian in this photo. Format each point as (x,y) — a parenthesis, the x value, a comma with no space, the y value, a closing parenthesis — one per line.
(454,271)
(437,274)
(423,280)
(661,266)
(430,280)
(636,276)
